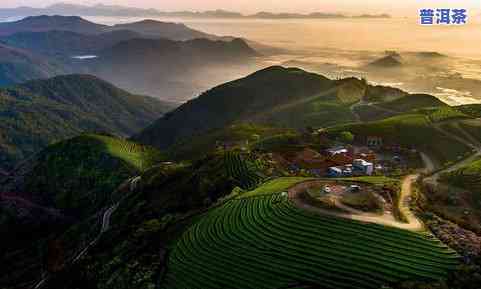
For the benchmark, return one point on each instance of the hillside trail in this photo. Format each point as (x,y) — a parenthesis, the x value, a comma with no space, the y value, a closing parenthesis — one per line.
(386,219)
(353,109)
(106,222)
(469,141)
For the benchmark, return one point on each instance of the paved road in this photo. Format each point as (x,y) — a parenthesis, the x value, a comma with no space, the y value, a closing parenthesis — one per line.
(413,224)
(105,227)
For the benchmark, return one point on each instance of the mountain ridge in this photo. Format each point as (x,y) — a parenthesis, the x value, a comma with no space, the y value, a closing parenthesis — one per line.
(118,10)
(283,97)
(39,112)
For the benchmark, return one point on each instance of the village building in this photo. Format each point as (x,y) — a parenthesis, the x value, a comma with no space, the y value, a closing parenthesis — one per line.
(363,167)
(337,151)
(340,171)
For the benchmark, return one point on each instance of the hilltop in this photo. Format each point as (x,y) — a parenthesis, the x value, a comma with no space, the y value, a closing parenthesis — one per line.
(78,175)
(388,61)
(48,23)
(37,113)
(421,129)
(158,29)
(278,96)
(167,60)
(147,28)
(170,69)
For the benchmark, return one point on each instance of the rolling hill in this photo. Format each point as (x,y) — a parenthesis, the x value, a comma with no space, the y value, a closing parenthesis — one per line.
(467,177)
(146,28)
(59,195)
(413,129)
(390,61)
(78,175)
(167,60)
(19,65)
(66,43)
(263,241)
(276,96)
(159,29)
(48,23)
(37,113)
(174,70)
(235,101)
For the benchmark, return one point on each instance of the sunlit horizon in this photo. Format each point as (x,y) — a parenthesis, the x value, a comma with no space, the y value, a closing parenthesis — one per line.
(351,7)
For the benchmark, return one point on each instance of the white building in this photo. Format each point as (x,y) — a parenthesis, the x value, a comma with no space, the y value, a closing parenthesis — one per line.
(365,167)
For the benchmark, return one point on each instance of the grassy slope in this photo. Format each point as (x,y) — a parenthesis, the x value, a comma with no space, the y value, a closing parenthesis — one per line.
(201,145)
(468,177)
(266,242)
(403,104)
(129,255)
(18,65)
(412,101)
(37,113)
(412,130)
(79,174)
(236,101)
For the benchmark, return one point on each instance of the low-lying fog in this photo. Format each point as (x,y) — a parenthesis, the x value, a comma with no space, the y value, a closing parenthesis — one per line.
(351,47)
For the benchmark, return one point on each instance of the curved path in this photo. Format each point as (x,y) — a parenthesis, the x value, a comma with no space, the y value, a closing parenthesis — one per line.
(105,227)
(469,141)
(413,223)
(106,217)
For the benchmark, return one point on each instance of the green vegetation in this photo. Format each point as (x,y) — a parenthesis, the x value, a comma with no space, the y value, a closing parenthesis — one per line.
(274,186)
(346,137)
(409,130)
(440,114)
(234,135)
(17,65)
(473,110)
(38,113)
(245,173)
(411,102)
(467,177)
(279,142)
(472,127)
(180,187)
(266,242)
(284,97)
(81,173)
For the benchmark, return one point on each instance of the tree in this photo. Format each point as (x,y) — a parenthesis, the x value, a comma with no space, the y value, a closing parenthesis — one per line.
(346,137)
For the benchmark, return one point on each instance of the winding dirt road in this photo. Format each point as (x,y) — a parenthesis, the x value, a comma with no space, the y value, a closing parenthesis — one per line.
(413,223)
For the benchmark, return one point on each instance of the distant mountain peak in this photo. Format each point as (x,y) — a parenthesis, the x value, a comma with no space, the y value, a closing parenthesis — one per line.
(388,61)
(44,23)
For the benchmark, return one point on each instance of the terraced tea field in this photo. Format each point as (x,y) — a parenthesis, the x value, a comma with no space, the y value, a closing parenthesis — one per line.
(244,172)
(264,241)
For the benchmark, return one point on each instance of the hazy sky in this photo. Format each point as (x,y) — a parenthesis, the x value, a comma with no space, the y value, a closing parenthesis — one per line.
(404,7)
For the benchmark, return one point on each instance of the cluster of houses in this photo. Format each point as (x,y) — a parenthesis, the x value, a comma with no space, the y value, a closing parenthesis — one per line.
(334,162)
(359,167)
(351,163)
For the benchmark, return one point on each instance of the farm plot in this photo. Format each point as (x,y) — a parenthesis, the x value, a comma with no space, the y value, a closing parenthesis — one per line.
(264,241)
(244,172)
